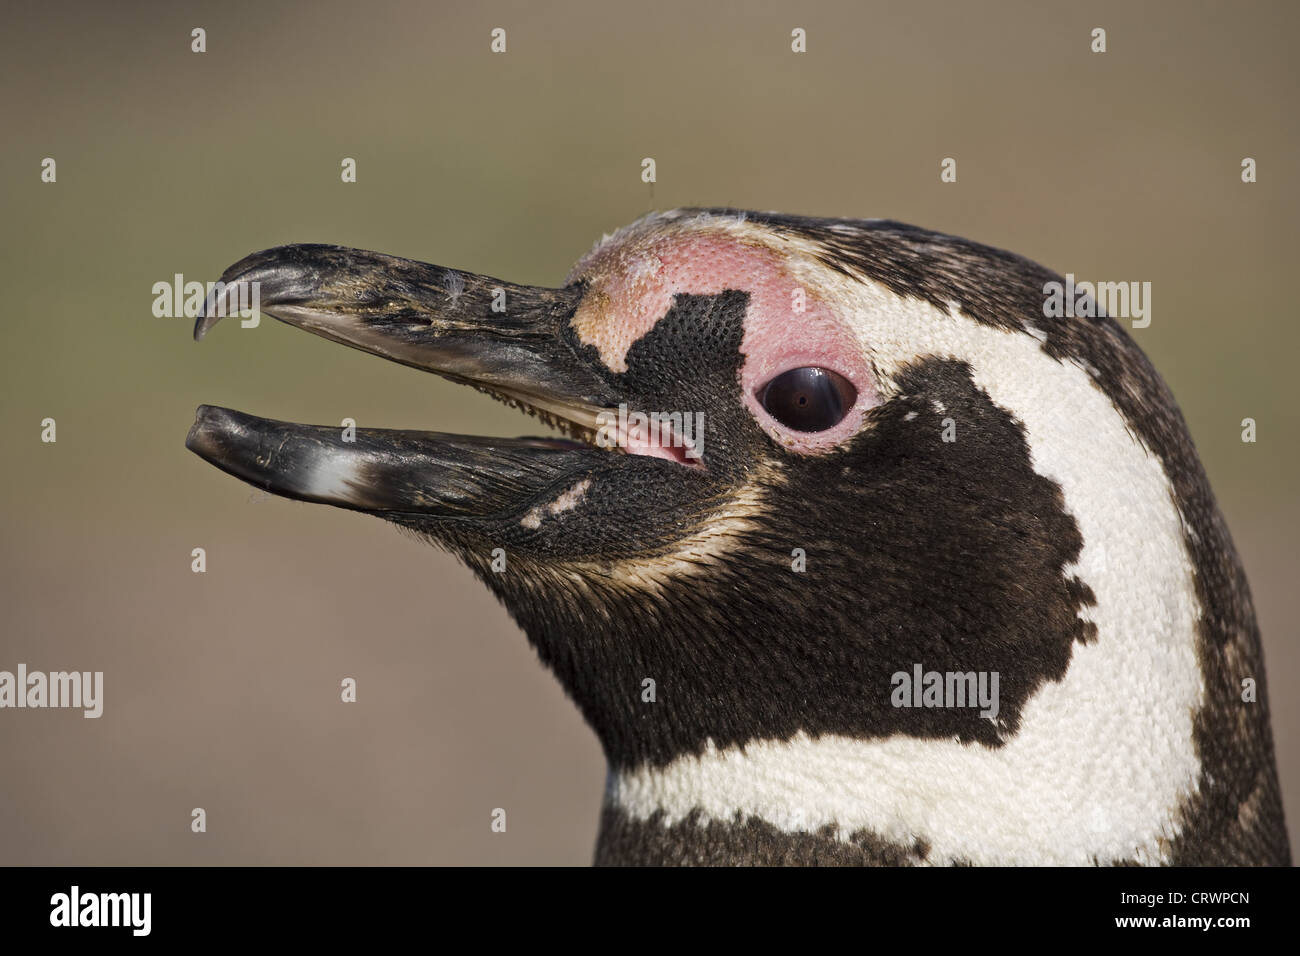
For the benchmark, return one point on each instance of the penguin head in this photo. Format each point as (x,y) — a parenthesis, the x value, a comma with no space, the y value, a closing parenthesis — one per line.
(803,457)
(762,510)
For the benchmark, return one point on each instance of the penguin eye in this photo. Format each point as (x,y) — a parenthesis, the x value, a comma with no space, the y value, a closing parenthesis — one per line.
(808,399)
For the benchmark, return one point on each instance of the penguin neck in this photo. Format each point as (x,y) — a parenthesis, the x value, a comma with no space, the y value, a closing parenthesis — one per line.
(747,807)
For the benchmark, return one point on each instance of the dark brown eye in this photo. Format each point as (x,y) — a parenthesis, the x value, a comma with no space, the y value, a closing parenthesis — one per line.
(808,399)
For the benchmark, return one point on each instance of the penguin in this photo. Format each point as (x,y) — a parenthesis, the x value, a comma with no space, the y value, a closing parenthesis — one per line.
(849,548)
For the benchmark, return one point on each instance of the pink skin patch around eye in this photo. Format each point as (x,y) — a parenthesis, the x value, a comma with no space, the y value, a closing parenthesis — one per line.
(632,286)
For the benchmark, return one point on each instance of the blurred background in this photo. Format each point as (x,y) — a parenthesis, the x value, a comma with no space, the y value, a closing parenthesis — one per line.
(222,689)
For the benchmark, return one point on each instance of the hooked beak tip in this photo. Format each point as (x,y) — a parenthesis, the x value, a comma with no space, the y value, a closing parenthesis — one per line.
(222,298)
(201,326)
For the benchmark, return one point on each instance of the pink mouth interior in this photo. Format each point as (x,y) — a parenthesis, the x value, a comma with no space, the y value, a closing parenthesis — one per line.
(650,442)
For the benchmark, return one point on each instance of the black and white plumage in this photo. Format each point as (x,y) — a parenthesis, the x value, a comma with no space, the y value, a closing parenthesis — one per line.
(1065,537)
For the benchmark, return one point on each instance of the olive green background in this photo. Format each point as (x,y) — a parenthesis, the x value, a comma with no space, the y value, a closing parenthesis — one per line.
(222,689)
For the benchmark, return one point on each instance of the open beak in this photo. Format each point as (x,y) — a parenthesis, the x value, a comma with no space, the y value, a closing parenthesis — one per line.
(502,338)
